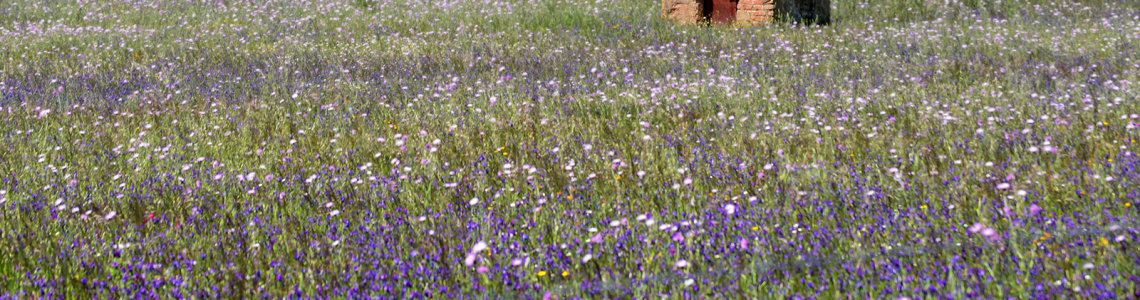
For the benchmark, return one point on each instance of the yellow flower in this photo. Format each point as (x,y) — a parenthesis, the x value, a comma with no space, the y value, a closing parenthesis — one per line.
(755,228)
(567,273)
(1127,204)
(541,273)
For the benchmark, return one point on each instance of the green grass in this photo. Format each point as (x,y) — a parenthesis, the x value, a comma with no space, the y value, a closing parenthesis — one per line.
(856,155)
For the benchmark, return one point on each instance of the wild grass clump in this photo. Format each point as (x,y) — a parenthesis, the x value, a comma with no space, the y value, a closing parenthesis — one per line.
(566,148)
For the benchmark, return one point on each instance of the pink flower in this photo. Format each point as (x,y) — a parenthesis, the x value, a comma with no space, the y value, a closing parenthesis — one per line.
(1034,209)
(977,227)
(597,239)
(990,233)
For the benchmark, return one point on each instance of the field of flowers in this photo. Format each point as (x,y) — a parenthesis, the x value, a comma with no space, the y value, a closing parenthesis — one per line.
(567,149)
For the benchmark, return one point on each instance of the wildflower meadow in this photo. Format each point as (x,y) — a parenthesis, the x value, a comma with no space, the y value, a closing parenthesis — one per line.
(567,149)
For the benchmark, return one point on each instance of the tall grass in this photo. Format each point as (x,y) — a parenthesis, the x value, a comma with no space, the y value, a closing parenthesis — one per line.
(570,149)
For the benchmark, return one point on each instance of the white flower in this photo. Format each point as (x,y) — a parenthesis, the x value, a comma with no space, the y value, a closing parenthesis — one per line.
(110,215)
(334,212)
(681,264)
(587,258)
(473,201)
(730,209)
(1002,186)
(479,247)
(469,260)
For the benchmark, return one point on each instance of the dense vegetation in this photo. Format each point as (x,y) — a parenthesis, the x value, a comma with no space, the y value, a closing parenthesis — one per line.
(566,149)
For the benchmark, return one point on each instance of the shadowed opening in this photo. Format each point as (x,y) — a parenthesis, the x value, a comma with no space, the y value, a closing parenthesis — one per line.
(719,11)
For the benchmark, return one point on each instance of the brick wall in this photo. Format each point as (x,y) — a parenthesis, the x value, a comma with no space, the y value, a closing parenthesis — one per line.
(750,12)
(682,11)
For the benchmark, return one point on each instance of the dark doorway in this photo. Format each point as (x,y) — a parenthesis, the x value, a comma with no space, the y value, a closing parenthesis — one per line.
(720,11)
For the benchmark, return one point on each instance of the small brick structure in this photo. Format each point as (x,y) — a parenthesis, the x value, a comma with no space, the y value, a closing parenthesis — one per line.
(746,12)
